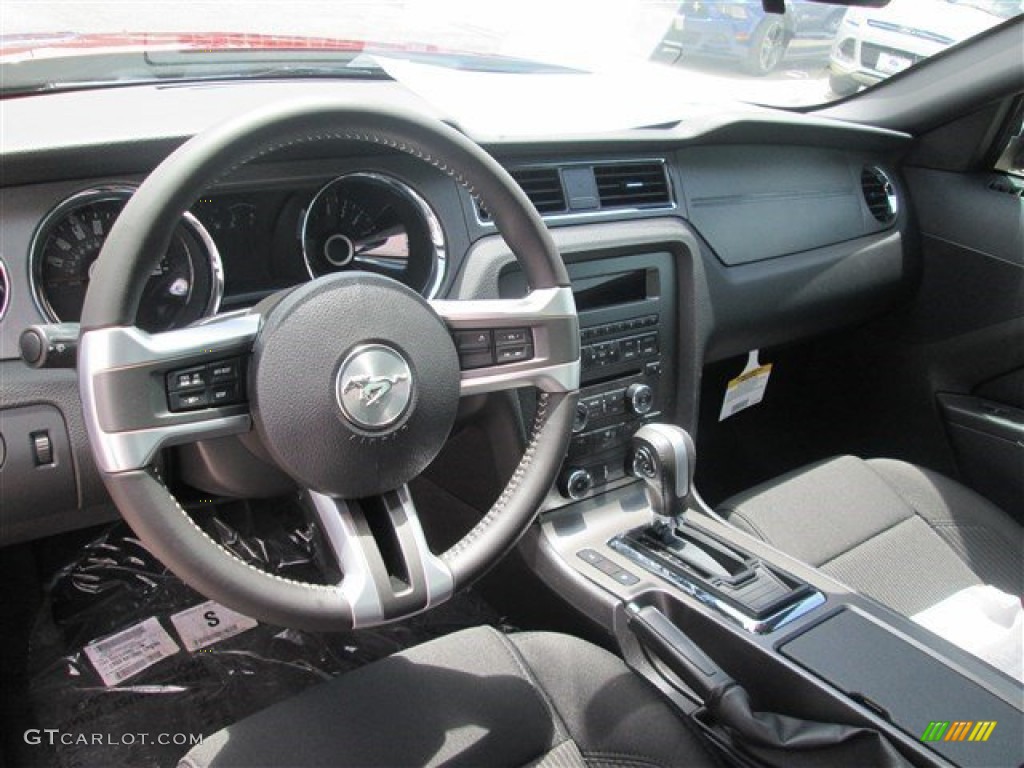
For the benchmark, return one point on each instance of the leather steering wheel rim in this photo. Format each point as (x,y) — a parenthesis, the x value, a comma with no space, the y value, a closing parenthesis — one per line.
(141,235)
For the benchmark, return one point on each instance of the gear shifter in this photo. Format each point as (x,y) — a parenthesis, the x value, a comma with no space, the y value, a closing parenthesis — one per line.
(663,457)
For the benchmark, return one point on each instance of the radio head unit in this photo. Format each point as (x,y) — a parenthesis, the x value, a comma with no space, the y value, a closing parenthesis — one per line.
(627,314)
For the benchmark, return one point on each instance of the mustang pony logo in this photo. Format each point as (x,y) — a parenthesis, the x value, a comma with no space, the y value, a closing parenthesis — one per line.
(372,388)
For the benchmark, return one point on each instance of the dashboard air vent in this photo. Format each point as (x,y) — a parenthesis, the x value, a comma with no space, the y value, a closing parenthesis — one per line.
(879,194)
(542,185)
(632,185)
(5,290)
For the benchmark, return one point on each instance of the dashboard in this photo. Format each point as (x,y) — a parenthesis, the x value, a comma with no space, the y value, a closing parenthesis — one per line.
(686,244)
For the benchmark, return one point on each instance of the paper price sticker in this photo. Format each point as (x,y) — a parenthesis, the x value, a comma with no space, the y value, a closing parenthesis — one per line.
(209,623)
(125,654)
(747,389)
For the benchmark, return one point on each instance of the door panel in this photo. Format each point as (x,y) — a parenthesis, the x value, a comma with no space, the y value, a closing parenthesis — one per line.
(969,313)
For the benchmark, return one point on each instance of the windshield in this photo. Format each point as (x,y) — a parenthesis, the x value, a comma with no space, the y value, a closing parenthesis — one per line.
(709,50)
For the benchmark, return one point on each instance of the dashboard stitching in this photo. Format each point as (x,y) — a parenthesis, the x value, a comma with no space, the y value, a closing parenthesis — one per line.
(365,137)
(540,421)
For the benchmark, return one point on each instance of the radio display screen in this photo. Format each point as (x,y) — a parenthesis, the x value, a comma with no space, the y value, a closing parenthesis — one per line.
(603,291)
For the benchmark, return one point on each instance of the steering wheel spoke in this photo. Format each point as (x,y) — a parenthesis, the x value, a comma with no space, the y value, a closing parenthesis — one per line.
(142,392)
(387,568)
(513,343)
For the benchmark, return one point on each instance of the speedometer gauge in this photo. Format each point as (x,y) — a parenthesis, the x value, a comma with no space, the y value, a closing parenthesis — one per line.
(375,223)
(185,286)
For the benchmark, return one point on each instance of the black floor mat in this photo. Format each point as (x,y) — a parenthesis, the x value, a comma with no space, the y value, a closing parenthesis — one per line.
(155,701)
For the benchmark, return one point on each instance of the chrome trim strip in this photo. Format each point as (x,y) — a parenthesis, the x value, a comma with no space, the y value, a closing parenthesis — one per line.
(110,349)
(215,262)
(5,299)
(437,576)
(439,261)
(749,623)
(358,588)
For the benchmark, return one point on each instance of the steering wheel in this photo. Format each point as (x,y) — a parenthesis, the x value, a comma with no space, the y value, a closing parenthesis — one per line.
(350,382)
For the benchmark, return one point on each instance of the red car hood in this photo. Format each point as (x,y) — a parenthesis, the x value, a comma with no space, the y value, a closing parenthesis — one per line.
(198,42)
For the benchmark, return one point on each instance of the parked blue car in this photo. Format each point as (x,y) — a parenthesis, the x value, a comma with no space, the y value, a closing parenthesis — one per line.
(743,32)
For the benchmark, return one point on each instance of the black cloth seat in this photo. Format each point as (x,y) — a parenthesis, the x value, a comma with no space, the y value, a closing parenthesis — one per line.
(476,698)
(904,535)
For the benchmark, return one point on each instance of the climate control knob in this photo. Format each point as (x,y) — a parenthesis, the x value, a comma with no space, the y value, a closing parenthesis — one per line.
(640,398)
(575,483)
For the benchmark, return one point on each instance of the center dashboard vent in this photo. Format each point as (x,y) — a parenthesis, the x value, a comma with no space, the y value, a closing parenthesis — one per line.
(879,194)
(542,185)
(632,185)
(586,188)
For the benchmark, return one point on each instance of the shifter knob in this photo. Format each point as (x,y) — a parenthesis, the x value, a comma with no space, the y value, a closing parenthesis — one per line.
(664,458)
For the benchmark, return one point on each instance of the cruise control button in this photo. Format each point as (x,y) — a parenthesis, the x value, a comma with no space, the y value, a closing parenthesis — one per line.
(225,394)
(225,370)
(187,401)
(187,379)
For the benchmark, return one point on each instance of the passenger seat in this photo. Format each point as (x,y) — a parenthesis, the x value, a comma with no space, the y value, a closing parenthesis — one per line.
(906,536)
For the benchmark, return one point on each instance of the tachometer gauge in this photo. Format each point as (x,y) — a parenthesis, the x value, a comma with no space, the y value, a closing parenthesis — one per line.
(375,223)
(185,286)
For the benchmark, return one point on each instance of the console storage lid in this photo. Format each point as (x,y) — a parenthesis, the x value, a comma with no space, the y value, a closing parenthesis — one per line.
(874,664)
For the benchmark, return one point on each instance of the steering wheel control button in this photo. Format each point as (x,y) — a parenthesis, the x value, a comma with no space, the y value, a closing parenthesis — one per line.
(215,384)
(224,394)
(470,341)
(374,386)
(188,379)
(512,337)
(513,354)
(188,401)
(483,347)
(225,370)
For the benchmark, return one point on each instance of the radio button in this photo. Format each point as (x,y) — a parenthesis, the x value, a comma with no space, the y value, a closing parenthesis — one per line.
(630,349)
(615,402)
(649,345)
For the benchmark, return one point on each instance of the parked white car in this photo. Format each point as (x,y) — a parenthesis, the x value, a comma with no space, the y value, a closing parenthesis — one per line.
(874,43)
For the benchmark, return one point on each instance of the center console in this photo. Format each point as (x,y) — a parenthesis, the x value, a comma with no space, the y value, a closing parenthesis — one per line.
(700,608)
